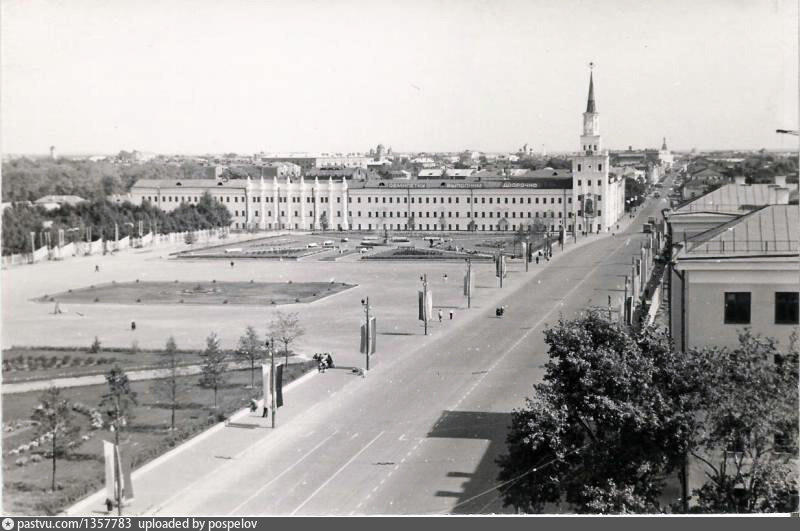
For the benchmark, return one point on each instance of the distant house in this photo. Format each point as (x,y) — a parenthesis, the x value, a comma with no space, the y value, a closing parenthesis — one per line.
(52,202)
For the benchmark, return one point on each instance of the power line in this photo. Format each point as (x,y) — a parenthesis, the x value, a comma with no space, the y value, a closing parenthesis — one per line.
(512,480)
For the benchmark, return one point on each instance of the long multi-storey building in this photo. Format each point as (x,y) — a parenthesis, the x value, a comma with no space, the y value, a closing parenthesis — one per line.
(589,199)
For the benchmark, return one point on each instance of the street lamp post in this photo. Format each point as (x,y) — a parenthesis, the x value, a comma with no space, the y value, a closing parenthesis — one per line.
(270,344)
(367,346)
(469,283)
(424,279)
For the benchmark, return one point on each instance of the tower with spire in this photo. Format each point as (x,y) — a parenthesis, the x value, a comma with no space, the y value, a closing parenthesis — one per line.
(597,197)
(665,157)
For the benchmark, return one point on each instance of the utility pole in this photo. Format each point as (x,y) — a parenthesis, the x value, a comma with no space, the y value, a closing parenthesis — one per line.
(272,379)
(525,254)
(425,301)
(469,283)
(365,304)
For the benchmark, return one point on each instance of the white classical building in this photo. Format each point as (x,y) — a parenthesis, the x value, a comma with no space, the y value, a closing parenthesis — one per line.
(590,199)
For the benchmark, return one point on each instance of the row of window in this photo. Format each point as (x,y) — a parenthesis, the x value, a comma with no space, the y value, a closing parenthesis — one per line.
(428,200)
(588,182)
(737,307)
(392,214)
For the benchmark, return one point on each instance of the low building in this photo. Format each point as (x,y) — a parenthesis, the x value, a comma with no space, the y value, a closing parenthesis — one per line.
(743,273)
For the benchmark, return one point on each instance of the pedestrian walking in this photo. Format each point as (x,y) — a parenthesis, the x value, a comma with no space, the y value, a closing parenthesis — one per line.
(253,405)
(133,325)
(265,414)
(451,315)
(444,278)
(537,259)
(329,361)
(96,268)
(57,309)
(440,315)
(231,263)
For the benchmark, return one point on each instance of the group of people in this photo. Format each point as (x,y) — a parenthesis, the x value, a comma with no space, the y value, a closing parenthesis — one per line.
(324,361)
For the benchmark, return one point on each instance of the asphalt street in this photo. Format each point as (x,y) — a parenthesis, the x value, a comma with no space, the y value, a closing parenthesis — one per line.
(421,433)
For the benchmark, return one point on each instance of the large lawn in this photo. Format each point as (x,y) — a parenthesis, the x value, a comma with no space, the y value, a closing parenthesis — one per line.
(26,488)
(202,292)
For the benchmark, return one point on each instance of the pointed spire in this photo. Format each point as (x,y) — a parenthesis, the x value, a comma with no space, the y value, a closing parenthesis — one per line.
(664,144)
(590,104)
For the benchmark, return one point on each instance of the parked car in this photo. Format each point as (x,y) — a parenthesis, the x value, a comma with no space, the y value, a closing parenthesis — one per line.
(327,243)
(312,244)
(345,239)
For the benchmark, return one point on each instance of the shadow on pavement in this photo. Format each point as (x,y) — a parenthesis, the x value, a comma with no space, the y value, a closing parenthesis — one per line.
(491,427)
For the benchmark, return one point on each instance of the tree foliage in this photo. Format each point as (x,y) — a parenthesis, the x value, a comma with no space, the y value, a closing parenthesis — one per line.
(250,350)
(286,328)
(597,427)
(120,399)
(106,219)
(619,414)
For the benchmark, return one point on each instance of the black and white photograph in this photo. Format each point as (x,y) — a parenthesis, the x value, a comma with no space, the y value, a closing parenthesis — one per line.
(367,258)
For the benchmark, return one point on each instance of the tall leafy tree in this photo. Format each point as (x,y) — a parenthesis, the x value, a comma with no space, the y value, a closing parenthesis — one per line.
(213,366)
(56,421)
(599,432)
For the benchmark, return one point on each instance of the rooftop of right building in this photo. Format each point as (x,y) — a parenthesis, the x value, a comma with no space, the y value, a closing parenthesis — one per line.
(769,231)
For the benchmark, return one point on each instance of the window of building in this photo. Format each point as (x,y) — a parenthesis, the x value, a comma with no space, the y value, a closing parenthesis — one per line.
(559,200)
(598,182)
(434,200)
(599,197)
(737,307)
(456,200)
(506,200)
(786,307)
(600,167)
(569,200)
(427,200)
(483,200)
(599,212)
(537,200)
(579,169)
(579,182)
(552,200)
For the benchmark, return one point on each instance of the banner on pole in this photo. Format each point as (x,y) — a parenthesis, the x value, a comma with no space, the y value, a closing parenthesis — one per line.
(500,266)
(266,384)
(468,283)
(368,337)
(279,385)
(425,305)
(108,455)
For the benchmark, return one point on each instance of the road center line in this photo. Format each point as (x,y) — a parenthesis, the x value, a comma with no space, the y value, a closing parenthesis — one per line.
(276,478)
(335,474)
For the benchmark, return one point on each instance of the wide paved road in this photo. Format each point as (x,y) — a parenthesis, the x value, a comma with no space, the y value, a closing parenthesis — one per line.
(421,434)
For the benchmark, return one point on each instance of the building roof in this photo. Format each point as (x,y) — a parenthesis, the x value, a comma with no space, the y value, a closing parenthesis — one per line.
(772,230)
(436,172)
(590,104)
(69,199)
(190,183)
(333,172)
(733,198)
(706,172)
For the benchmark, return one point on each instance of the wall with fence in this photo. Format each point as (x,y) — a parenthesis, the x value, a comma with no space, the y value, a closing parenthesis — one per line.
(99,247)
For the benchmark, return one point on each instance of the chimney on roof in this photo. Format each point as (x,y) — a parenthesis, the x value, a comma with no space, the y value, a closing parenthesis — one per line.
(781,196)
(780,180)
(740,179)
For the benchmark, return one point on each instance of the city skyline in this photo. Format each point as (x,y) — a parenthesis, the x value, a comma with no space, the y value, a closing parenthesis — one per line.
(440,77)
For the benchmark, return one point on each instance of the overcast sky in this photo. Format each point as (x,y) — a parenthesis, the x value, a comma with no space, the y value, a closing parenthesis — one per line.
(298,75)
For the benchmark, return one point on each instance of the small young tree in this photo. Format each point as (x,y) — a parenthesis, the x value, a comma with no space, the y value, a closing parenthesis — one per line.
(286,328)
(118,402)
(54,415)
(442,221)
(412,221)
(95,347)
(250,350)
(323,220)
(170,389)
(190,237)
(213,369)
